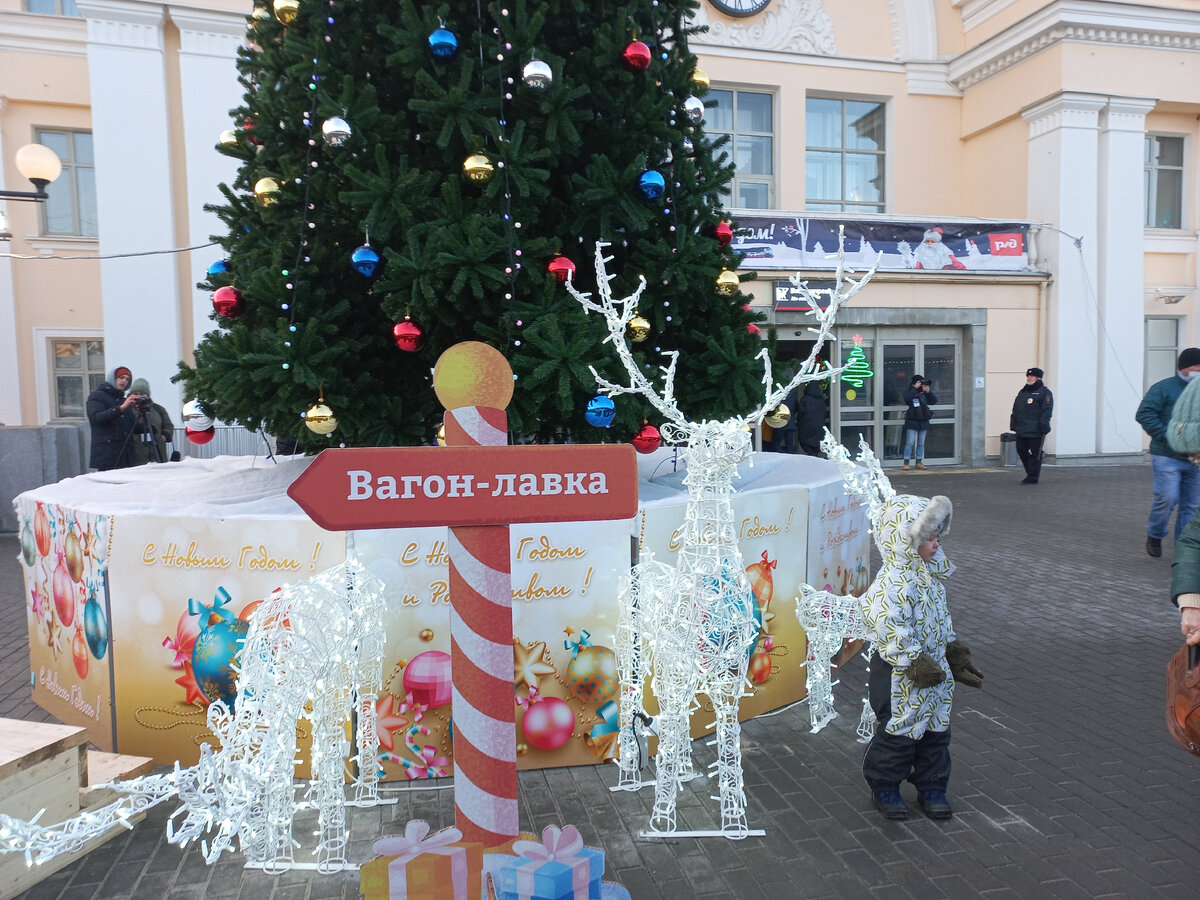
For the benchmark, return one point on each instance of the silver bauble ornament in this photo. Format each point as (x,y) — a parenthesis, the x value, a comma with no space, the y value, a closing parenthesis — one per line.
(694,108)
(336,131)
(537,75)
(194,416)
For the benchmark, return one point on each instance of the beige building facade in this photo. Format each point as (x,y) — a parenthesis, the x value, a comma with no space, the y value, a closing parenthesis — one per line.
(1070,124)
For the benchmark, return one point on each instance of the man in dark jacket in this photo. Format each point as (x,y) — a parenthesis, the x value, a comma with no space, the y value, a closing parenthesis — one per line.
(1030,421)
(1176,479)
(110,414)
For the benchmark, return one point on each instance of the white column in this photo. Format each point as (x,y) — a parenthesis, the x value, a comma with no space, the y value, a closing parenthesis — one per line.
(1121,282)
(10,371)
(127,78)
(1063,171)
(209,88)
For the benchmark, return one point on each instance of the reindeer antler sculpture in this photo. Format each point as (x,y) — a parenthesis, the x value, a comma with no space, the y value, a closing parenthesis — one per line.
(695,621)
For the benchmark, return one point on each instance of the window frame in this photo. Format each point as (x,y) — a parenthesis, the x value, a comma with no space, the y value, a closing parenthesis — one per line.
(45,386)
(884,156)
(1151,194)
(1147,348)
(58,9)
(733,200)
(69,176)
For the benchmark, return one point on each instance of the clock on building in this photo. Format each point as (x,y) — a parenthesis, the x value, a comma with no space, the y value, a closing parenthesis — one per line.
(740,8)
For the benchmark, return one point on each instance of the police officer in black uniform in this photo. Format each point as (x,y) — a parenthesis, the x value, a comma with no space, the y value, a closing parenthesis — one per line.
(1030,421)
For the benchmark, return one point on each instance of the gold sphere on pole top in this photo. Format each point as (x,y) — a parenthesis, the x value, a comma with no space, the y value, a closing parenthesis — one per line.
(473,374)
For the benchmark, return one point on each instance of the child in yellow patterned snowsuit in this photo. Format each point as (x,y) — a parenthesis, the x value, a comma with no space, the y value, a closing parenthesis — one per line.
(917,658)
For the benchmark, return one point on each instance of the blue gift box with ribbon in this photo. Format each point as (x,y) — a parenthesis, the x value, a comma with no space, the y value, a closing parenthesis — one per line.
(559,868)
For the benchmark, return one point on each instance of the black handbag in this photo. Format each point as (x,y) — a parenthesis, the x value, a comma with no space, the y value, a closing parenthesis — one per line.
(1183,697)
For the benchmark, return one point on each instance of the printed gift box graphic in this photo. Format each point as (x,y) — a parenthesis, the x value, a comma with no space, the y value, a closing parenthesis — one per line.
(558,867)
(422,867)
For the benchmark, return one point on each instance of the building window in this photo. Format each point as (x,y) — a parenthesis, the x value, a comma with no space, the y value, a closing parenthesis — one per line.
(1164,181)
(844,155)
(1162,350)
(748,118)
(71,208)
(78,369)
(53,7)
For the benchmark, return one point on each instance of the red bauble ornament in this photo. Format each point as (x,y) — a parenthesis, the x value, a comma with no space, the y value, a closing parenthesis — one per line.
(41,530)
(548,723)
(760,668)
(64,593)
(561,268)
(647,439)
(636,57)
(427,678)
(248,130)
(227,301)
(201,437)
(768,643)
(754,330)
(408,336)
(79,653)
(722,232)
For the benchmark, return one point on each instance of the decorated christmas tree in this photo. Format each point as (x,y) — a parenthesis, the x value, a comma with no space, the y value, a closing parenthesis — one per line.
(415,175)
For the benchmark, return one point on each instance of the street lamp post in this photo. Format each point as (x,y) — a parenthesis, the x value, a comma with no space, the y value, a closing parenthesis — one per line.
(41,166)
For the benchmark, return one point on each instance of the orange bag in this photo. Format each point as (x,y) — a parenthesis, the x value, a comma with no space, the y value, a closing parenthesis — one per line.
(1183,697)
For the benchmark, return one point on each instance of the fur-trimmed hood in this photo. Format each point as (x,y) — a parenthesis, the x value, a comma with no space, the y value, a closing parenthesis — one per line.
(907,521)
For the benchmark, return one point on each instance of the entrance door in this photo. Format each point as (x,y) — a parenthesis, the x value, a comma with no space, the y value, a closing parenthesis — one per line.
(876,408)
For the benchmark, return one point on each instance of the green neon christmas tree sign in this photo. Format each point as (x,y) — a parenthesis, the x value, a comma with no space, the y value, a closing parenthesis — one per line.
(857,368)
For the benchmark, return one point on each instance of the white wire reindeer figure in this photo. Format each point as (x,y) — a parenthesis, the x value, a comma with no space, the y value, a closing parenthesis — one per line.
(693,624)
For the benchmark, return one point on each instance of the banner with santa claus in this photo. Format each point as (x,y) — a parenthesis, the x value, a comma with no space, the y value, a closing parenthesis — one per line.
(799,242)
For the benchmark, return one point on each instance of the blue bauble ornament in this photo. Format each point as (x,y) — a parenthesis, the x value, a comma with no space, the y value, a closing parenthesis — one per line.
(600,411)
(214,655)
(652,185)
(95,627)
(443,44)
(727,621)
(365,261)
(220,267)
(28,545)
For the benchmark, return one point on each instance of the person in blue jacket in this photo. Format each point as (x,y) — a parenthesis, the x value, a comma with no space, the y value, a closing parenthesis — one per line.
(1176,478)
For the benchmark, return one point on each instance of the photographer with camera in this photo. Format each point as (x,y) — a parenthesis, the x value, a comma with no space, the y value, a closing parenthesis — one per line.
(110,414)
(152,429)
(917,412)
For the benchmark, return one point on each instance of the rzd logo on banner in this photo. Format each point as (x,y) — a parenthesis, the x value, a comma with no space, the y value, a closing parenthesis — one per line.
(1012,244)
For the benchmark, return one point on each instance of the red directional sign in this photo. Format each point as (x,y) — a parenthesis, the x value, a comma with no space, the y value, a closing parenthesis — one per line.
(399,487)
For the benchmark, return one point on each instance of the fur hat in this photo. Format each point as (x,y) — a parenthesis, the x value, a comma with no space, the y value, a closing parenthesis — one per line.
(1188,358)
(1035,372)
(1183,431)
(140,386)
(933,519)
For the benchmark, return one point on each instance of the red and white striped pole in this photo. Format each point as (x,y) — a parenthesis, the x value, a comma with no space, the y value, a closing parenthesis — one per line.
(474,382)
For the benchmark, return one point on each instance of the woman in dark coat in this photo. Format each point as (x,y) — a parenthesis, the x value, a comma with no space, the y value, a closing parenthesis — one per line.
(111,416)
(810,419)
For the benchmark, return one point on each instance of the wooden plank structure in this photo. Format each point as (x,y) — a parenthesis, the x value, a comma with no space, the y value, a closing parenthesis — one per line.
(45,766)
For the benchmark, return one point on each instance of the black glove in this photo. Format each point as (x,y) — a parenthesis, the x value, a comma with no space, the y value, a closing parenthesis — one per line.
(925,672)
(958,655)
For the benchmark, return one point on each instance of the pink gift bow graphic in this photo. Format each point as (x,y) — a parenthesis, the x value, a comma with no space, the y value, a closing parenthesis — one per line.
(412,844)
(558,845)
(411,705)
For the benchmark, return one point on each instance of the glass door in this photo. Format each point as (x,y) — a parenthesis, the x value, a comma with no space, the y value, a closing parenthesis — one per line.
(876,408)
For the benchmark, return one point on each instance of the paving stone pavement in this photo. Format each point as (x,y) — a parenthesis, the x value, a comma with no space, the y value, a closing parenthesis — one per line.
(1065,781)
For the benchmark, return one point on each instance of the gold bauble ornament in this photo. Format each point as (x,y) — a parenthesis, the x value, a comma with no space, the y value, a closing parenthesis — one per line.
(319,417)
(287,10)
(479,168)
(258,17)
(700,79)
(522,749)
(779,416)
(266,191)
(426,634)
(440,439)
(638,329)
(728,282)
(228,138)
